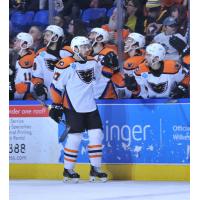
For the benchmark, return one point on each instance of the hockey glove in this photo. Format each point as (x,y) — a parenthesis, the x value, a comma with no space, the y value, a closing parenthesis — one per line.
(110,60)
(180,91)
(40,89)
(56,112)
(177,43)
(130,82)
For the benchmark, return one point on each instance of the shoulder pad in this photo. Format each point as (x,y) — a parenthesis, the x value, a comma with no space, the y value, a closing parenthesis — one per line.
(186,59)
(27,60)
(142,68)
(133,62)
(171,67)
(67,48)
(64,63)
(106,50)
(40,50)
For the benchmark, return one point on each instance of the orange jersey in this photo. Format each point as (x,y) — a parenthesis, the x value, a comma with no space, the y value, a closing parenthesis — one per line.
(23,75)
(132,63)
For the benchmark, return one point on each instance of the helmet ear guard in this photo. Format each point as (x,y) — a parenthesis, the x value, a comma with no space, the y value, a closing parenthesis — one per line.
(136,39)
(155,53)
(100,33)
(77,42)
(56,32)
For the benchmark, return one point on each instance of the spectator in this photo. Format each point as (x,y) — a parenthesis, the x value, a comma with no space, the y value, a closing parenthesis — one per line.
(75,28)
(179,13)
(155,17)
(59,20)
(170,27)
(37,34)
(111,27)
(134,23)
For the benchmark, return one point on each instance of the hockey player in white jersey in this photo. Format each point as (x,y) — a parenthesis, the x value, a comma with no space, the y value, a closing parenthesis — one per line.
(160,77)
(45,60)
(23,66)
(73,93)
(111,79)
(134,47)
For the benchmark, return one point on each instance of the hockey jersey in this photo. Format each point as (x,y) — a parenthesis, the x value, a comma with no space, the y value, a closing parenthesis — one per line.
(24,66)
(130,65)
(159,86)
(171,52)
(108,83)
(44,64)
(73,86)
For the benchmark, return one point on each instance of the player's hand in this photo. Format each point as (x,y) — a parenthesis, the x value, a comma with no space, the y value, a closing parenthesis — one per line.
(56,112)
(130,82)
(180,91)
(110,60)
(40,89)
(177,43)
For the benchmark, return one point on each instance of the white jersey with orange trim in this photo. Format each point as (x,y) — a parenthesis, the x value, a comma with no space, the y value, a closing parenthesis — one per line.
(44,64)
(160,85)
(107,84)
(73,84)
(23,76)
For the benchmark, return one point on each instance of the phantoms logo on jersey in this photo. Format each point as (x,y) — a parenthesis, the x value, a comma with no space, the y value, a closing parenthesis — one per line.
(86,75)
(158,88)
(51,63)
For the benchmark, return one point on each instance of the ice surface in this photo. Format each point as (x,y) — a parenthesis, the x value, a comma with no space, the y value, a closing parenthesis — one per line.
(111,190)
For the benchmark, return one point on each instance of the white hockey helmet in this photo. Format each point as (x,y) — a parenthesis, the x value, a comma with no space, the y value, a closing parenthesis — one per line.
(79,41)
(25,37)
(56,30)
(134,39)
(155,50)
(100,32)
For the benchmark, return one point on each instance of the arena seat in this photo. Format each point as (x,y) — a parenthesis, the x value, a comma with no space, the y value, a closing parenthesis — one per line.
(29,17)
(18,19)
(93,13)
(110,11)
(41,18)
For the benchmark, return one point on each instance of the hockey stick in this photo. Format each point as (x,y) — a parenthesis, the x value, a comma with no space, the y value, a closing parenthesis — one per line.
(48,107)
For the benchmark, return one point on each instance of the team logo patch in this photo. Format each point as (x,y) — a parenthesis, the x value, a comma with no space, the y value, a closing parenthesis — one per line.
(145,75)
(61,63)
(50,63)
(86,75)
(27,63)
(158,88)
(129,65)
(73,65)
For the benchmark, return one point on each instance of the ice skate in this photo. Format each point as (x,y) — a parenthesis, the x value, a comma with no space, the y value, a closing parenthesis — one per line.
(96,174)
(70,176)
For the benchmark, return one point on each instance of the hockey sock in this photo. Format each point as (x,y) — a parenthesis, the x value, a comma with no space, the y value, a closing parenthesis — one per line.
(95,147)
(71,150)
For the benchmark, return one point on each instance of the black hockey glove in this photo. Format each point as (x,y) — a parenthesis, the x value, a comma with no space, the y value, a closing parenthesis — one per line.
(40,89)
(180,91)
(130,82)
(110,60)
(56,112)
(177,43)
